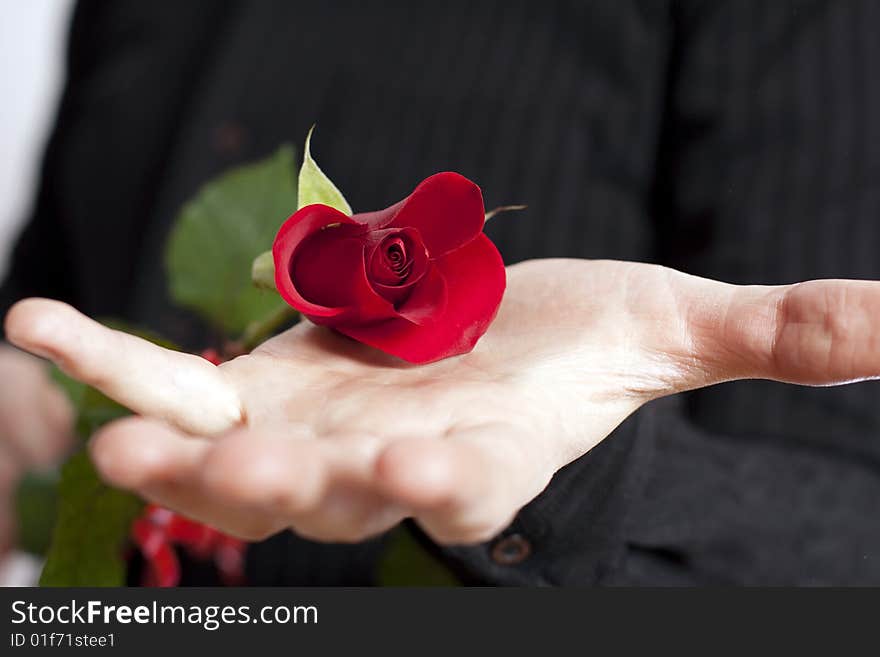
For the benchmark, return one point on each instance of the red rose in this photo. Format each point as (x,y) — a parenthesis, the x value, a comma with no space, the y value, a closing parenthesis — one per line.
(418,280)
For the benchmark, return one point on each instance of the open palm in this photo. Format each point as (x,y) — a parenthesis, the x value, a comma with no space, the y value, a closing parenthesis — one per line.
(338,441)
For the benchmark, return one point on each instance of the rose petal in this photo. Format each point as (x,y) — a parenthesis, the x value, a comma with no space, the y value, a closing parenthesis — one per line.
(378,218)
(328,270)
(475,281)
(428,299)
(300,225)
(417,254)
(319,267)
(446,208)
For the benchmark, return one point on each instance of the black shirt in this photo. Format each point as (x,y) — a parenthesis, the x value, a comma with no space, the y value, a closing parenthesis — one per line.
(736,140)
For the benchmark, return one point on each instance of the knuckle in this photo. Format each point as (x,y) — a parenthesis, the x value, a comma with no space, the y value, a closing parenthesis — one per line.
(257,480)
(813,329)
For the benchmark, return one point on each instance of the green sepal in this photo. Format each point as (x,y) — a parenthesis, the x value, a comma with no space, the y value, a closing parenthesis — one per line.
(315,186)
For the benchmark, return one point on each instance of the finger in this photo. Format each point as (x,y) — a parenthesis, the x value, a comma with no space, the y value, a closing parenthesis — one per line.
(348,514)
(183,389)
(135,453)
(352,508)
(815,333)
(249,484)
(466,487)
(255,469)
(827,332)
(164,466)
(318,486)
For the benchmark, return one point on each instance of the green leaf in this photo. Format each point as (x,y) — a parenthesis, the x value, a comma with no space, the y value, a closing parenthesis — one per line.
(91,519)
(93,408)
(71,387)
(315,186)
(146,334)
(90,533)
(96,410)
(218,234)
(406,563)
(36,499)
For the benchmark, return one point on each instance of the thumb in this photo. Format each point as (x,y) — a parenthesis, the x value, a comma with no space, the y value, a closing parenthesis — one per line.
(823,332)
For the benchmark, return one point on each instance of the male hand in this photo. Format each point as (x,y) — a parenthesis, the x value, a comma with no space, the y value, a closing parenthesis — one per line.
(338,441)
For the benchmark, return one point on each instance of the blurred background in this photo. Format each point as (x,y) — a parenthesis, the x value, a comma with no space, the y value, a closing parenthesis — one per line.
(32,38)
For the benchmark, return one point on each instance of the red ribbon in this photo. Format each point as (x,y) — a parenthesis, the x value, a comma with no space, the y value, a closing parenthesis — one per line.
(159,530)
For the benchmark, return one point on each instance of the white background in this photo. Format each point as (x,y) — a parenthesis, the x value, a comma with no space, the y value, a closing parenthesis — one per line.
(33,36)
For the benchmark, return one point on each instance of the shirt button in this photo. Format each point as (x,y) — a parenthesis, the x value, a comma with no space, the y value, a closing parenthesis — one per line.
(511,550)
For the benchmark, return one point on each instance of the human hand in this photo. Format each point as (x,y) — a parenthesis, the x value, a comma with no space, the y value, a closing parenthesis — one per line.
(36,423)
(338,441)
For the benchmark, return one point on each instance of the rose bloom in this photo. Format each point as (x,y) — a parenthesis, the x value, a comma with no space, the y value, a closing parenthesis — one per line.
(419,280)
